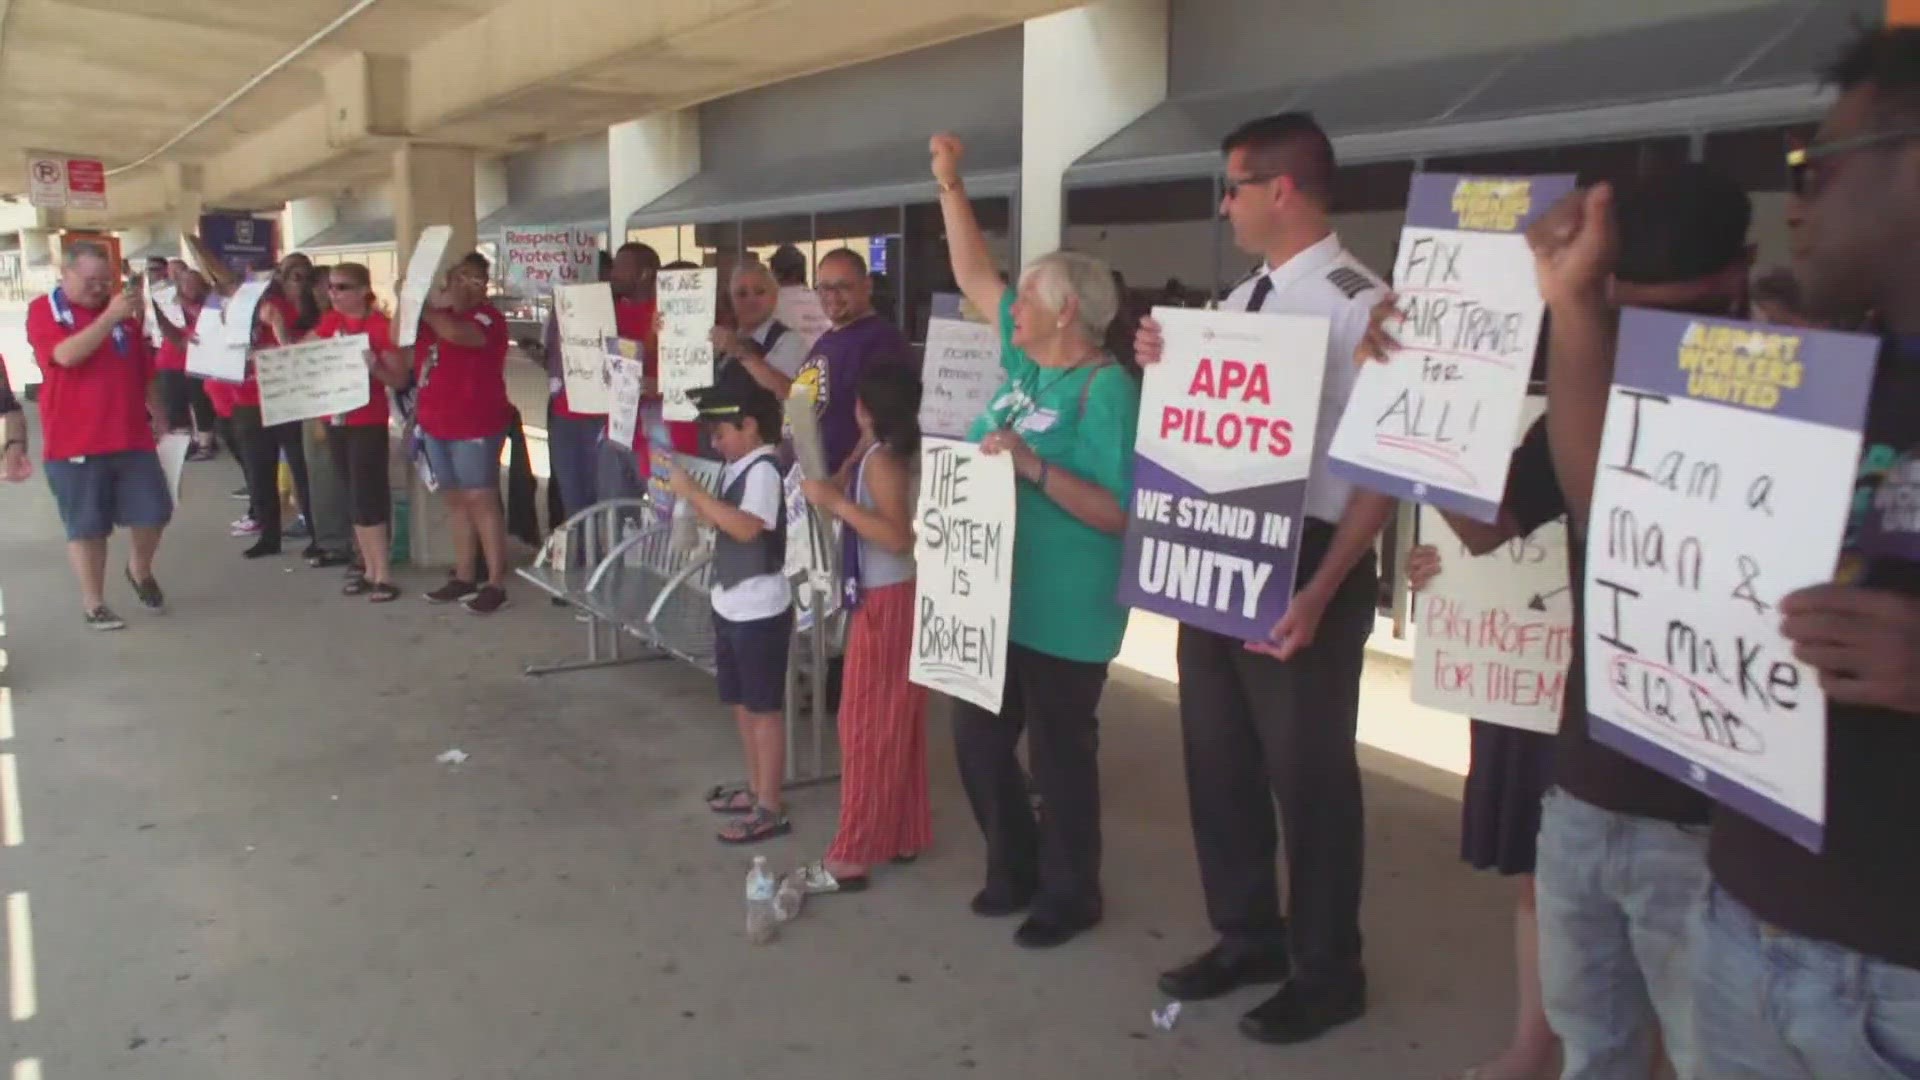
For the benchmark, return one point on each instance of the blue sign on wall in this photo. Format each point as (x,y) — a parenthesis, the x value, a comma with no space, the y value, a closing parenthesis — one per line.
(242,242)
(877,254)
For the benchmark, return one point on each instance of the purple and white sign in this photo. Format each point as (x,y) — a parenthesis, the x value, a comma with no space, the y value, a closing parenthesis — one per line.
(1224,449)
(1725,480)
(1436,424)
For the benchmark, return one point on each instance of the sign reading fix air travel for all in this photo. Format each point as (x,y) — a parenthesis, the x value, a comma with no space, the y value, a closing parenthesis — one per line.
(1221,463)
(1725,480)
(1436,423)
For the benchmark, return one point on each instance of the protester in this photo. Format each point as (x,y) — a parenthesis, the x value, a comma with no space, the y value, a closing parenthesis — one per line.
(15,465)
(622,470)
(573,438)
(859,338)
(1065,413)
(188,407)
(282,318)
(1274,722)
(463,412)
(765,347)
(1507,775)
(752,603)
(358,440)
(884,811)
(789,267)
(100,413)
(1808,964)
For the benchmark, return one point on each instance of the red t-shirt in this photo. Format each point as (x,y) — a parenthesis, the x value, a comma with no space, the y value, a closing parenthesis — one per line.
(379,331)
(465,395)
(98,406)
(221,395)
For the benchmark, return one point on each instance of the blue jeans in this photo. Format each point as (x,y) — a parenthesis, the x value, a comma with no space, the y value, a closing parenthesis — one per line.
(573,452)
(1776,1006)
(1617,894)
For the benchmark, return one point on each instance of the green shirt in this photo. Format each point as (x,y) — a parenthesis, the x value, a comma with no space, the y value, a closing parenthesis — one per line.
(1065,573)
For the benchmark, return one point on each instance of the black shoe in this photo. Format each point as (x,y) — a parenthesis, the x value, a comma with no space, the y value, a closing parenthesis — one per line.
(994,902)
(262,549)
(148,591)
(1041,933)
(1222,970)
(312,552)
(1303,1011)
(103,618)
(322,559)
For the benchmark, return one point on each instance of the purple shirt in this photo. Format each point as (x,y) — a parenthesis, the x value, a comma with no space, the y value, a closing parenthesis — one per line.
(833,370)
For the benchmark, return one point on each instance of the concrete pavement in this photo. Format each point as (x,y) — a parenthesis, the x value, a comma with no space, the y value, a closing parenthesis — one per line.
(239,859)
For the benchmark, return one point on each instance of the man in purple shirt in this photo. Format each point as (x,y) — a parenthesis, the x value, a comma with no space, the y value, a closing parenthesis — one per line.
(859,338)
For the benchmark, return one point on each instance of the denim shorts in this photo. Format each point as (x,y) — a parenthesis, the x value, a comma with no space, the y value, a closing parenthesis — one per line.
(751,661)
(465,464)
(99,491)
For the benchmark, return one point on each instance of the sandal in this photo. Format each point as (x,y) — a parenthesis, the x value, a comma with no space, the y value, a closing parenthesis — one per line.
(383,592)
(816,880)
(356,586)
(730,799)
(761,824)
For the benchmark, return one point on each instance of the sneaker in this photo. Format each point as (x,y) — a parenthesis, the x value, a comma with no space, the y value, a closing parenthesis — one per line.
(246,526)
(202,453)
(103,618)
(240,494)
(148,591)
(452,592)
(489,599)
(300,530)
(261,549)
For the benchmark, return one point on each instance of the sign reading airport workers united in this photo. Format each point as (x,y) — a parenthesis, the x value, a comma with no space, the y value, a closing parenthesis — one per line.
(1222,458)
(963,595)
(1436,424)
(1725,481)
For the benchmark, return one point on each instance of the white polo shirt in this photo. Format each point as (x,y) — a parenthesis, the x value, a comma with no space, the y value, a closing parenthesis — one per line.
(1326,280)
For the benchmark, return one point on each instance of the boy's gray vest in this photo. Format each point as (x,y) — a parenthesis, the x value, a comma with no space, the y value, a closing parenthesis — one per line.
(735,561)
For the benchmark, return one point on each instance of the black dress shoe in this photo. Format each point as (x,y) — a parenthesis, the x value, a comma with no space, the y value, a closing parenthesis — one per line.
(262,549)
(1045,933)
(1304,1011)
(1224,969)
(994,902)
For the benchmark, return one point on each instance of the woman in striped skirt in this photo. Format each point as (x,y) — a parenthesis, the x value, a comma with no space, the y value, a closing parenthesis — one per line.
(884,812)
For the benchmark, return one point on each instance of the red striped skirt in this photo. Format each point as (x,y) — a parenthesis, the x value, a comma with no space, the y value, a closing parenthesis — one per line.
(884,811)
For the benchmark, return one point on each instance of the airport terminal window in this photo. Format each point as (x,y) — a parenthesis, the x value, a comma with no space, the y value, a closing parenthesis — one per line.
(925,268)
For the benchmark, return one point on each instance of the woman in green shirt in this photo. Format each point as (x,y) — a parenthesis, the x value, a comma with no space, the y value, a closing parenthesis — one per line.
(1066,414)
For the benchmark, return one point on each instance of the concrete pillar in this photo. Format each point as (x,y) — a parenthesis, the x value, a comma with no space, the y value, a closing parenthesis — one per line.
(646,159)
(432,185)
(489,187)
(306,219)
(1088,73)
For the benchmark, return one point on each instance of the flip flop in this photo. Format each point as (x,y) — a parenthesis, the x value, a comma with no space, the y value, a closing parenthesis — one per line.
(384,592)
(356,586)
(725,799)
(761,824)
(816,880)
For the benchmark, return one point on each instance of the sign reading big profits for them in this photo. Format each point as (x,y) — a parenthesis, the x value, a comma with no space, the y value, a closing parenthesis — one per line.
(1436,423)
(1220,472)
(1725,480)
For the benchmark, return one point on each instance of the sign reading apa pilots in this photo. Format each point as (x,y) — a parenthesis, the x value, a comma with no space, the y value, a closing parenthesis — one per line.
(58,182)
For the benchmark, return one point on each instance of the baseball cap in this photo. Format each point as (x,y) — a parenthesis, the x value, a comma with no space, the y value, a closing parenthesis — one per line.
(1680,224)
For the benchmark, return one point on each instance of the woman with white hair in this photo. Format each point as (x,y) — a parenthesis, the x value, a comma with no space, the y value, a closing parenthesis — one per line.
(1065,414)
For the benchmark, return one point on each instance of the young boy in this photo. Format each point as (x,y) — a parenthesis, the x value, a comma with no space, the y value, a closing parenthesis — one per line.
(752,605)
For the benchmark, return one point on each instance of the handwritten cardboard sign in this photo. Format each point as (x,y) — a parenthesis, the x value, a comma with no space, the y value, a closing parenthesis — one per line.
(585,314)
(1436,424)
(964,592)
(960,374)
(423,268)
(235,338)
(539,260)
(321,377)
(1495,633)
(813,543)
(1220,471)
(688,301)
(1725,479)
(208,355)
(623,359)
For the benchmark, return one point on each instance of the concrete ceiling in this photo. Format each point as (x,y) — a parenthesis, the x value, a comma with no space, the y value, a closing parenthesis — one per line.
(119,79)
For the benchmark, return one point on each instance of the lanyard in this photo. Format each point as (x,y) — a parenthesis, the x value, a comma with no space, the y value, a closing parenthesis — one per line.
(63,314)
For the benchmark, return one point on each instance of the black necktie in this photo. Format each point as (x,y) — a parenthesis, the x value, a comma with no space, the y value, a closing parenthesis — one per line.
(1261,290)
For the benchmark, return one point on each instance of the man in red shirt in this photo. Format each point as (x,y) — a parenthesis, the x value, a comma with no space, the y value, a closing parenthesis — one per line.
(100,409)
(464,413)
(636,269)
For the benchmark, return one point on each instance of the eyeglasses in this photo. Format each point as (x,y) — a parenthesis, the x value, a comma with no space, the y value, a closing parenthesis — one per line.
(1231,188)
(1809,167)
(341,286)
(835,287)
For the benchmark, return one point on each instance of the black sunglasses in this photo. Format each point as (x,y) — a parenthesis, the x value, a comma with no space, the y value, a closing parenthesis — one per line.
(1805,172)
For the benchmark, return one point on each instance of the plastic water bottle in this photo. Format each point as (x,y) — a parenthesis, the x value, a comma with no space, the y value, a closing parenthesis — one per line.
(762,922)
(790,897)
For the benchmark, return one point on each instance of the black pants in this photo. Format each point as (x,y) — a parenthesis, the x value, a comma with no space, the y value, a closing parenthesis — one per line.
(360,461)
(1054,701)
(1259,732)
(187,402)
(263,447)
